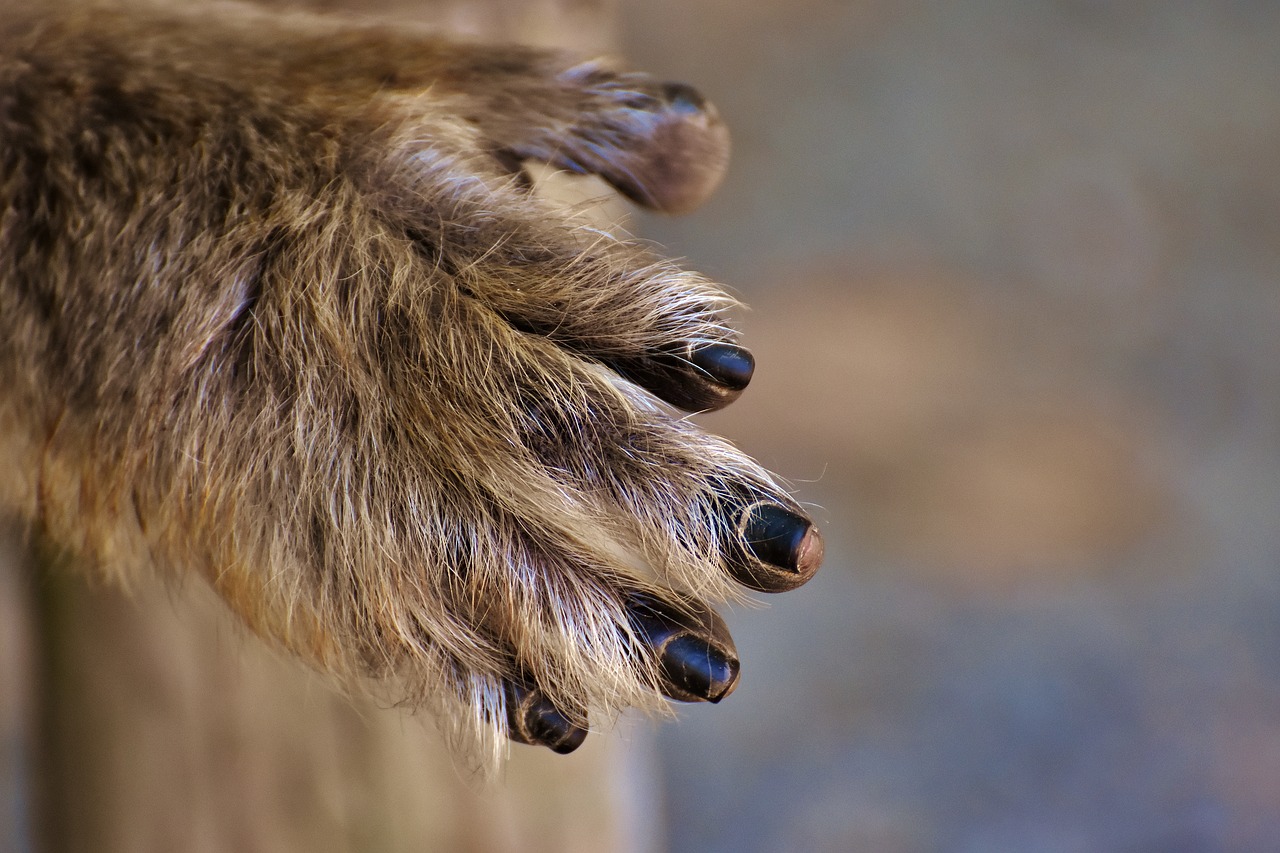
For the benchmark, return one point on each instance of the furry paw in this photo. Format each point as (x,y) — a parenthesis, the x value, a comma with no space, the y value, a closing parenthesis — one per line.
(292,319)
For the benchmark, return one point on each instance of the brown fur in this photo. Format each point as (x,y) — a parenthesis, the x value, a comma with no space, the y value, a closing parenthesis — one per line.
(277,308)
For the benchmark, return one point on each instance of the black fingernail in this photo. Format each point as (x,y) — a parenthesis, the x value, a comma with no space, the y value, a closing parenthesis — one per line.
(532,719)
(702,378)
(695,652)
(693,668)
(726,364)
(788,546)
(682,97)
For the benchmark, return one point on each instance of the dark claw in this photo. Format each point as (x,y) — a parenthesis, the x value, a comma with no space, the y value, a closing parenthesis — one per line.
(532,719)
(728,365)
(683,98)
(695,670)
(783,549)
(703,379)
(695,652)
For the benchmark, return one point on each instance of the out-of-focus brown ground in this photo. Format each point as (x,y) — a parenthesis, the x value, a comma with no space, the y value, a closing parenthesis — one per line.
(966,450)
(1015,279)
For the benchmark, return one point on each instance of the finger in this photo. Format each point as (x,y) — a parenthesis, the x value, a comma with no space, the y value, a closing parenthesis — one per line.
(652,323)
(662,145)
(665,147)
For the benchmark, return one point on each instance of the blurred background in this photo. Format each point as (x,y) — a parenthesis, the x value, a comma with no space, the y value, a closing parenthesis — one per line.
(1013,271)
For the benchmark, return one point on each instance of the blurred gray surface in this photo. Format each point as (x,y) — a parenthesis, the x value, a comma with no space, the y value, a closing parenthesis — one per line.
(1014,276)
